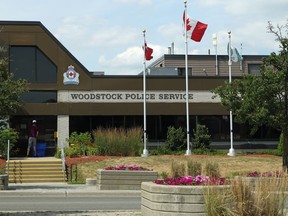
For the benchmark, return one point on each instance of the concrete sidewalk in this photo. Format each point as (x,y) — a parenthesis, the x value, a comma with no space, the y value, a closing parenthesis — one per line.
(61,189)
(64,189)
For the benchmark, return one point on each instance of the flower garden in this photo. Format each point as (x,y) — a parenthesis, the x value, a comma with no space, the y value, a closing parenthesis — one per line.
(191,180)
(127,167)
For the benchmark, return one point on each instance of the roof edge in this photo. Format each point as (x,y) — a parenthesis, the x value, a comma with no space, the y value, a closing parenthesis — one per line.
(38,23)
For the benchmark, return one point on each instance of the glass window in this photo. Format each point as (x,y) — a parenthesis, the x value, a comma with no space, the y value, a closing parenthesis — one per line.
(39,97)
(182,71)
(32,64)
(46,70)
(254,69)
(22,63)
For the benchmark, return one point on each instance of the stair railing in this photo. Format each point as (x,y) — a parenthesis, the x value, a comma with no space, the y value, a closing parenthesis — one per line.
(8,157)
(63,160)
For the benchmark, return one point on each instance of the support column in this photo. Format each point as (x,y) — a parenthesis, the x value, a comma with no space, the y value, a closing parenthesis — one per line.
(62,129)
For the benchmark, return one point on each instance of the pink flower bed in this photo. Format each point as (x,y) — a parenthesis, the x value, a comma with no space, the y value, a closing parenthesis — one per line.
(124,167)
(191,180)
(265,174)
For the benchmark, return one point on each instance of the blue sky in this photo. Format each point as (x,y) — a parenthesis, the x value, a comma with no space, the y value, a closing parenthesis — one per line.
(107,35)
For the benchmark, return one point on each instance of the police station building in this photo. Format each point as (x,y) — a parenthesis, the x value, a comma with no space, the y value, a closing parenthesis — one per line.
(65,97)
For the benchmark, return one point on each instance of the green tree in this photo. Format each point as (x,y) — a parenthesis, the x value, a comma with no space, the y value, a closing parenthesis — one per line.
(263,100)
(10,89)
(7,134)
(176,138)
(201,137)
(9,100)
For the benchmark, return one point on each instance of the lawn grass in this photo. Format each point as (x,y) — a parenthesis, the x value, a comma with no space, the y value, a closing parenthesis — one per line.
(229,166)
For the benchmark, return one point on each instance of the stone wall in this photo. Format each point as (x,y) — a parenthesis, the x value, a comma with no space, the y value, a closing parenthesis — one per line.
(123,179)
(3,182)
(164,200)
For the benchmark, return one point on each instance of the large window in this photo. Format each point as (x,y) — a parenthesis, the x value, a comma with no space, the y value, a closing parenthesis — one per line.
(39,97)
(30,63)
(182,71)
(254,69)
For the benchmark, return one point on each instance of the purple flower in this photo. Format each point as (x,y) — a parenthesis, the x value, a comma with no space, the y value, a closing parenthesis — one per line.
(191,180)
(129,167)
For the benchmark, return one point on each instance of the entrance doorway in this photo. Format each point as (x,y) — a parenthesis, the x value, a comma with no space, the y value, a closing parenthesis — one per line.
(47,126)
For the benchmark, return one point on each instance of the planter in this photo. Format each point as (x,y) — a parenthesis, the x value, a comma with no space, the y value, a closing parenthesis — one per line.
(158,200)
(4,182)
(90,181)
(123,179)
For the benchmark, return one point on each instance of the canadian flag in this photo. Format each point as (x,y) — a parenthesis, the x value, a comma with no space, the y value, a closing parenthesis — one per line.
(148,52)
(195,29)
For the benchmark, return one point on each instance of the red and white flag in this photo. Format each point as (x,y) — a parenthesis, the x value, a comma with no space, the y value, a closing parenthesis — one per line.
(195,29)
(148,52)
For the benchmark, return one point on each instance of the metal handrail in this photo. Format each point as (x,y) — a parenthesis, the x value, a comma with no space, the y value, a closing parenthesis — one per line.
(8,158)
(63,160)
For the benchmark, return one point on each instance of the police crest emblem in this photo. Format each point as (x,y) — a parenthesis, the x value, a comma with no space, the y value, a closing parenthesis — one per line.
(70,77)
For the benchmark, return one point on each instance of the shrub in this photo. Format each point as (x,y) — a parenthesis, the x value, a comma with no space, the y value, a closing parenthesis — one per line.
(176,138)
(201,137)
(194,168)
(81,138)
(80,145)
(5,135)
(164,174)
(280,144)
(161,150)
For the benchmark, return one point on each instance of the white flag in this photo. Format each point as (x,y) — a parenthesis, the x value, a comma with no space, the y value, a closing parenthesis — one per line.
(235,56)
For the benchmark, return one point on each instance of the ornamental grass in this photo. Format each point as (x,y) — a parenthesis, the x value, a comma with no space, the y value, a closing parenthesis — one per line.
(118,141)
(243,198)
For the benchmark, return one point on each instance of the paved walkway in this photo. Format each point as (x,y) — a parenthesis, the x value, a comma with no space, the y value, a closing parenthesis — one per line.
(61,188)
(64,189)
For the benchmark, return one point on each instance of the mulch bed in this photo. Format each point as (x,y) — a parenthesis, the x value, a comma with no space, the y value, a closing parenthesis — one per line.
(2,163)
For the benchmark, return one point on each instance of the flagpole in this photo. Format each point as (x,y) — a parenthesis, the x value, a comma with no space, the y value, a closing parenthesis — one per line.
(214,37)
(188,151)
(145,151)
(231,150)
(241,67)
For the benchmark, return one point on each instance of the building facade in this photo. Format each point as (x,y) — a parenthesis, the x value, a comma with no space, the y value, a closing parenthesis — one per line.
(65,97)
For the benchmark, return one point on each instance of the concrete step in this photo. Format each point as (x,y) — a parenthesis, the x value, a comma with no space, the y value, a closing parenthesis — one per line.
(36,180)
(35,170)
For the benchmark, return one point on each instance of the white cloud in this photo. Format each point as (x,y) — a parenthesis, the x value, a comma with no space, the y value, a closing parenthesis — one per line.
(254,8)
(129,60)
(170,30)
(113,36)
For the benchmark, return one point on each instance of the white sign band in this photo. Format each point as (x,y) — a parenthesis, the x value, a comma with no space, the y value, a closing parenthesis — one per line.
(135,97)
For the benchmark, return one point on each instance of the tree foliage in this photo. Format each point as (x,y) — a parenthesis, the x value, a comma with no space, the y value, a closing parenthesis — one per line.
(10,89)
(262,99)
(201,137)
(259,100)
(7,134)
(176,138)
